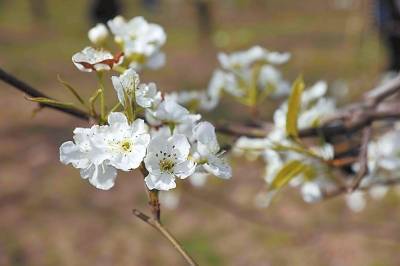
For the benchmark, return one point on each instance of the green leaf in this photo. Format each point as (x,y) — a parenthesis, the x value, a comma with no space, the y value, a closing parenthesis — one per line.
(51,102)
(287,173)
(294,105)
(71,89)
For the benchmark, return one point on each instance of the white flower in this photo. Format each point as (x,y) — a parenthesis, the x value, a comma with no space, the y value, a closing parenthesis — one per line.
(169,112)
(271,77)
(167,159)
(98,34)
(317,91)
(210,99)
(141,41)
(169,199)
(378,192)
(85,153)
(250,147)
(311,192)
(90,59)
(273,166)
(155,61)
(207,149)
(100,150)
(126,143)
(147,95)
(198,179)
(126,83)
(388,151)
(356,201)
(244,59)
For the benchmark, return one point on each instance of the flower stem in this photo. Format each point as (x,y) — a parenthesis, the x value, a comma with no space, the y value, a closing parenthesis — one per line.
(102,104)
(158,226)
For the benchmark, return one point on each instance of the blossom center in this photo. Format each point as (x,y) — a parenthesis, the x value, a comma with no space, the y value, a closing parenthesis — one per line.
(126,145)
(167,165)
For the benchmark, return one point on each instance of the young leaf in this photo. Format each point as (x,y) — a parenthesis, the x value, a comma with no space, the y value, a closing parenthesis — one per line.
(294,105)
(287,173)
(51,102)
(72,90)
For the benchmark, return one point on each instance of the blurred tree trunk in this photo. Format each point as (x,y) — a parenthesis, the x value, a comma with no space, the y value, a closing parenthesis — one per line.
(150,5)
(204,18)
(38,10)
(103,10)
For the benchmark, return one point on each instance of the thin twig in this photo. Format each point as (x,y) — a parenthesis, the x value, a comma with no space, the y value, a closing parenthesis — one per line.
(29,90)
(363,158)
(156,225)
(152,194)
(342,190)
(377,95)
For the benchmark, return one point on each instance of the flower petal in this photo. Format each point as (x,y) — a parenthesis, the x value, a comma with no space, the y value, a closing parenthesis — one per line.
(101,176)
(160,182)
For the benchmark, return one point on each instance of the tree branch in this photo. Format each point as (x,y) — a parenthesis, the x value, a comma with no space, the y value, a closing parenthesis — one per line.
(29,90)
(363,158)
(157,225)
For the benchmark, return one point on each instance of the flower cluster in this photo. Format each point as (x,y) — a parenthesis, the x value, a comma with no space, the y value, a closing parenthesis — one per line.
(139,40)
(248,76)
(280,151)
(145,129)
(170,144)
(383,165)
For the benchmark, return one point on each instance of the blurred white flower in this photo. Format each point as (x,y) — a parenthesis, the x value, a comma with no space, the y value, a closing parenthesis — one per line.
(311,192)
(169,199)
(141,41)
(356,201)
(250,147)
(198,179)
(378,192)
(168,158)
(244,59)
(98,34)
(91,59)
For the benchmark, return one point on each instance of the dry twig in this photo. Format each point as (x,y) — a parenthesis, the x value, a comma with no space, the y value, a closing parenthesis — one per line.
(157,225)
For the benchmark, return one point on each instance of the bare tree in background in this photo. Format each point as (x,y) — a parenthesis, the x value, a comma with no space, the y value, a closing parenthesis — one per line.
(104,10)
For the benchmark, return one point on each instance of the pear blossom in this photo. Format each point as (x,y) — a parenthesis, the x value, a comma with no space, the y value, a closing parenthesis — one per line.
(126,143)
(85,153)
(100,150)
(91,59)
(169,199)
(244,59)
(356,201)
(98,34)
(167,159)
(147,95)
(125,84)
(243,70)
(207,151)
(141,41)
(171,113)
(198,179)
(311,192)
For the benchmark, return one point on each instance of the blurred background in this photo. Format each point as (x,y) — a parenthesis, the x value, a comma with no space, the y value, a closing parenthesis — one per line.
(50,216)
